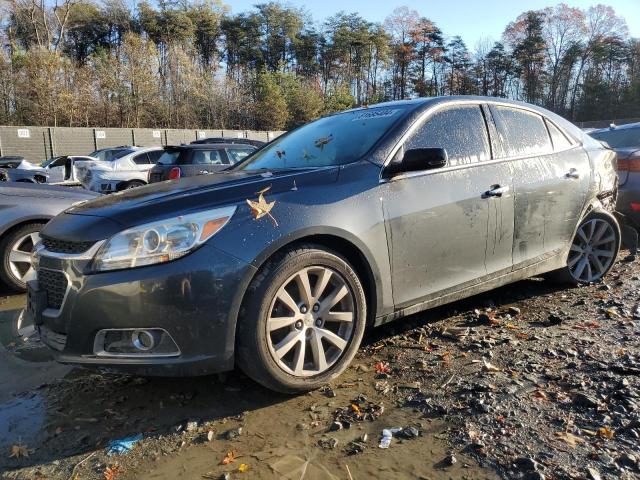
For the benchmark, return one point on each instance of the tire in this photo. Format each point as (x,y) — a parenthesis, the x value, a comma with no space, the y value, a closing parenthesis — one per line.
(596,266)
(260,352)
(19,239)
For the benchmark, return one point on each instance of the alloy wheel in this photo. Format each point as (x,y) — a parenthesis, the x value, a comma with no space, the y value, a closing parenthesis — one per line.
(593,250)
(20,257)
(311,321)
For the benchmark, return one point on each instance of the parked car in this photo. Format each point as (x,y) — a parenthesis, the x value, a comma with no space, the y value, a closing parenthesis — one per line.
(118,168)
(625,140)
(199,159)
(59,170)
(228,140)
(278,264)
(24,209)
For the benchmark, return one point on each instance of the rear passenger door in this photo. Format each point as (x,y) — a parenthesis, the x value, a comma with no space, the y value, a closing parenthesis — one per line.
(551,179)
(444,230)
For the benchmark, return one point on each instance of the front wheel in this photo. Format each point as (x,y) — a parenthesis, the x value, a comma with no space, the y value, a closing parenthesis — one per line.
(593,251)
(302,320)
(15,249)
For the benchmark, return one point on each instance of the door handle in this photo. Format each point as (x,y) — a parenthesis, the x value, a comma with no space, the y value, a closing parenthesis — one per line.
(573,174)
(496,191)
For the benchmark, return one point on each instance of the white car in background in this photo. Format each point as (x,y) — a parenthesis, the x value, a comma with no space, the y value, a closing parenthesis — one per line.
(117,168)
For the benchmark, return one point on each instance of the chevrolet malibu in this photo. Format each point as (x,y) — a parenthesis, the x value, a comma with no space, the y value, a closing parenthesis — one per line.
(279,264)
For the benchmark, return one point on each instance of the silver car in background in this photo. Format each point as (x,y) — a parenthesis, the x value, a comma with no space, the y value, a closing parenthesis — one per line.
(24,209)
(118,168)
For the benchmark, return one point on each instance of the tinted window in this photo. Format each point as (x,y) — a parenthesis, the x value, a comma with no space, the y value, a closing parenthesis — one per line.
(155,155)
(111,154)
(560,141)
(141,159)
(622,138)
(169,157)
(206,157)
(335,140)
(461,131)
(237,154)
(523,133)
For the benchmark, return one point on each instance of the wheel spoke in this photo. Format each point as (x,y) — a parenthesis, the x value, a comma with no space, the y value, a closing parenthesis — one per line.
(603,253)
(322,283)
(35,238)
(582,235)
(298,360)
(602,229)
(580,268)
(276,323)
(598,264)
(285,298)
(18,256)
(576,248)
(333,338)
(589,271)
(287,344)
(574,260)
(302,279)
(317,350)
(592,229)
(604,241)
(338,317)
(335,296)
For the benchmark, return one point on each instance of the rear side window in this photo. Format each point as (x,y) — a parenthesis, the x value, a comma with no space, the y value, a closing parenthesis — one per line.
(461,131)
(141,159)
(237,154)
(207,157)
(523,133)
(155,156)
(560,141)
(169,157)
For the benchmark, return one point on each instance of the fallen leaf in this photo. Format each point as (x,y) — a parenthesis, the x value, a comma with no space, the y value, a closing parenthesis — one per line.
(243,467)
(229,457)
(605,432)
(19,451)
(511,326)
(540,395)
(381,367)
(522,336)
(569,438)
(112,472)
(356,409)
(612,313)
(262,208)
(488,367)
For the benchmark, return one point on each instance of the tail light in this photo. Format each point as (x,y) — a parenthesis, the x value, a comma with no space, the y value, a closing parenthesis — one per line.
(175,173)
(635,206)
(631,164)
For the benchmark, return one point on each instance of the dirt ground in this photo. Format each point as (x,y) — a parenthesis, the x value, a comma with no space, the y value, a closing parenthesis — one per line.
(530,381)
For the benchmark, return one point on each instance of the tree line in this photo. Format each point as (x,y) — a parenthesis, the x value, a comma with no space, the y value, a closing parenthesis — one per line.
(191,63)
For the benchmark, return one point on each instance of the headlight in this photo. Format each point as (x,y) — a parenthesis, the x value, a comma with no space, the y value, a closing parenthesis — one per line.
(161,241)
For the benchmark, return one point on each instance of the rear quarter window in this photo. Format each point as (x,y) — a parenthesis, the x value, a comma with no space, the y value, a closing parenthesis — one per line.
(559,139)
(522,133)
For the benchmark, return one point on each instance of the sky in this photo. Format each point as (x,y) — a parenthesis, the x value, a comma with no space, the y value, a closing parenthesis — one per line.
(473,20)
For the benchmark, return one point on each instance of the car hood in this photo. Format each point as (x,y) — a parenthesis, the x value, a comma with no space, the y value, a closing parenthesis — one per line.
(166,199)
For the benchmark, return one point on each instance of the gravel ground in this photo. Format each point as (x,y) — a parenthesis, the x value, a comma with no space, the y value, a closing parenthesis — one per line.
(530,381)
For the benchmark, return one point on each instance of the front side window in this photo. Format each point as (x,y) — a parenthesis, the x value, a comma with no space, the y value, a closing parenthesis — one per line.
(207,157)
(460,130)
(330,141)
(523,133)
(622,138)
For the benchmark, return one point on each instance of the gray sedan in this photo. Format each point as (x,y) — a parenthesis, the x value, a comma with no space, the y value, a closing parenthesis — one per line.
(24,210)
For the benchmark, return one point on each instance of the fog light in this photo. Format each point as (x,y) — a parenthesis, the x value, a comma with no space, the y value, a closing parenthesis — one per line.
(133,342)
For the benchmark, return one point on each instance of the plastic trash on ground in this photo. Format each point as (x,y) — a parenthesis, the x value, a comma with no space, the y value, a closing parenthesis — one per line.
(118,447)
(387,435)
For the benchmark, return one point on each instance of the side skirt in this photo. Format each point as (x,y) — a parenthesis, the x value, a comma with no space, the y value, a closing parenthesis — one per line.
(543,266)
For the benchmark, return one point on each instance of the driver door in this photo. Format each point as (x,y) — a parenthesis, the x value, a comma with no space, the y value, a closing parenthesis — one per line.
(444,230)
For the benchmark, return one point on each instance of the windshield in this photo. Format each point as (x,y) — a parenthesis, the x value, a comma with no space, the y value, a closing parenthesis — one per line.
(335,140)
(623,138)
(109,155)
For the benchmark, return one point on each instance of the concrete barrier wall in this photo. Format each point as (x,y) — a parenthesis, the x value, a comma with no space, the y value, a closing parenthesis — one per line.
(37,144)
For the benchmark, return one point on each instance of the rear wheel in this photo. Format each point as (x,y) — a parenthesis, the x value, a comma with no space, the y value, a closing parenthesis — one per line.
(16,248)
(302,320)
(593,251)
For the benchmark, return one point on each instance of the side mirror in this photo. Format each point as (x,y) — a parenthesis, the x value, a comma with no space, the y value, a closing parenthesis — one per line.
(417,160)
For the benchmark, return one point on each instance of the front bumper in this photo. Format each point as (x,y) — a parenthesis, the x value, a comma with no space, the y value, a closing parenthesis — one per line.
(195,299)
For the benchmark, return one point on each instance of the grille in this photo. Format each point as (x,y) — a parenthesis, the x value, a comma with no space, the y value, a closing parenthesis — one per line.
(55,284)
(63,246)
